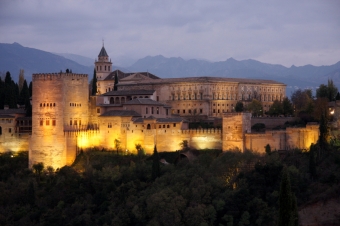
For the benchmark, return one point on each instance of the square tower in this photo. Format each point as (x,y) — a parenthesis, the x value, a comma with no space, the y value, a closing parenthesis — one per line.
(59,106)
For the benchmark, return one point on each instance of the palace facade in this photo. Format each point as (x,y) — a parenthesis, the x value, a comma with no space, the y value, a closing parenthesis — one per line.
(141,108)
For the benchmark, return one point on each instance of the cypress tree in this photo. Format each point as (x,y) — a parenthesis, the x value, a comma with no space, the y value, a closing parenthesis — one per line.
(312,160)
(2,90)
(295,213)
(116,82)
(155,164)
(323,129)
(94,83)
(285,201)
(30,89)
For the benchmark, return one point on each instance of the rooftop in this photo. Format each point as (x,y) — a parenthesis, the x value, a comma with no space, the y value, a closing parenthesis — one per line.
(120,113)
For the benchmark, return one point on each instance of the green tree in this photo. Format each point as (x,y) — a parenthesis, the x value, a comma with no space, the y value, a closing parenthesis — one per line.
(276,108)
(287,107)
(312,161)
(323,131)
(155,164)
(302,101)
(94,83)
(255,107)
(328,91)
(285,201)
(21,79)
(295,212)
(268,149)
(239,106)
(117,143)
(116,82)
(38,168)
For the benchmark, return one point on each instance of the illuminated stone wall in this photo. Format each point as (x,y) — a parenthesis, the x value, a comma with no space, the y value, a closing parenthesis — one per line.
(59,104)
(13,142)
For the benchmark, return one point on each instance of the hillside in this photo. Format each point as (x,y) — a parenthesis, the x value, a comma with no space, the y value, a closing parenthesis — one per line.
(215,188)
(14,57)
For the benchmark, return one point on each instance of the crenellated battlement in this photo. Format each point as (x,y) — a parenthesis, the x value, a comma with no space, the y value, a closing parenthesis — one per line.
(56,76)
(202,131)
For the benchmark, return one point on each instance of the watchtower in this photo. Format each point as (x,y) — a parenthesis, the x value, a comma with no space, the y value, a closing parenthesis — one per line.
(59,105)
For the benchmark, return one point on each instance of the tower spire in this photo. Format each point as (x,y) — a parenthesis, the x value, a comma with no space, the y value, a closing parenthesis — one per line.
(103,41)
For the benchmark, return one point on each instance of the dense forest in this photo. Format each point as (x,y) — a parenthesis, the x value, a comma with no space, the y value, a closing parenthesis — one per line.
(211,188)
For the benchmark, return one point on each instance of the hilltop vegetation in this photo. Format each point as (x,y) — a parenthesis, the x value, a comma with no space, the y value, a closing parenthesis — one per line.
(103,188)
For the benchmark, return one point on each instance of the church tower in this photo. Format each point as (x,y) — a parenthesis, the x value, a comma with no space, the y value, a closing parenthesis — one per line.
(103,66)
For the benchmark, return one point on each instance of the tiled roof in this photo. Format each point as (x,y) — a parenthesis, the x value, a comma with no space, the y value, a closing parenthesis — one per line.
(202,80)
(6,116)
(129,92)
(121,113)
(12,111)
(103,53)
(144,101)
(122,75)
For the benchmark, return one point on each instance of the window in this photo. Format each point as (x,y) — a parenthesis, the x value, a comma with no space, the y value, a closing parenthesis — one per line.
(160,126)
(9,130)
(151,110)
(40,104)
(70,122)
(98,110)
(157,98)
(47,122)
(183,111)
(53,122)
(108,68)
(178,112)
(163,126)
(201,110)
(157,110)
(41,122)
(166,111)
(0,130)
(174,124)
(75,122)
(79,122)
(189,111)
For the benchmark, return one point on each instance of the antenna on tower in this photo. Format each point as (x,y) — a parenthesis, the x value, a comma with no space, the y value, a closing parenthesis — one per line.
(103,41)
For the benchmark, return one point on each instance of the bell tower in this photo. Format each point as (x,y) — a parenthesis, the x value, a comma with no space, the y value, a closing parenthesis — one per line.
(103,65)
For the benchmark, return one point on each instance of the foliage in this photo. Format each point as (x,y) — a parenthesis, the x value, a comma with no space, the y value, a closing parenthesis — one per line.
(155,164)
(276,109)
(302,101)
(268,149)
(117,143)
(255,107)
(218,188)
(258,127)
(239,106)
(328,91)
(287,107)
(94,83)
(285,201)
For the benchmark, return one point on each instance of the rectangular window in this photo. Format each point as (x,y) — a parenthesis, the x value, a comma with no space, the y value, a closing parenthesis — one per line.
(201,110)
(183,111)
(53,122)
(75,122)
(177,111)
(157,98)
(166,111)
(214,111)
(47,122)
(189,111)
(9,130)
(157,110)
(98,110)
(174,124)
(146,110)
(41,122)
(79,122)
(151,110)
(70,122)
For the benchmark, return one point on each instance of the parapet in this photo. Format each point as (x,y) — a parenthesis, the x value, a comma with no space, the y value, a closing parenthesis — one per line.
(56,76)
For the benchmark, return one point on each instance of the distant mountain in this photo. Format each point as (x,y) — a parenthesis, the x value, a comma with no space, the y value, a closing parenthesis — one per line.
(308,76)
(14,57)
(86,61)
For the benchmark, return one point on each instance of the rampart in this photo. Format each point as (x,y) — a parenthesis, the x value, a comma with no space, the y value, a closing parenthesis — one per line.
(272,122)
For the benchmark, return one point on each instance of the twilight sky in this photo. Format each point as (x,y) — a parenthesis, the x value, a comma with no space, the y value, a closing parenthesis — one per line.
(283,32)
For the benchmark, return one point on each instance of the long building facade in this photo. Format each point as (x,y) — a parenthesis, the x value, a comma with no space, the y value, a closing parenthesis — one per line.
(142,109)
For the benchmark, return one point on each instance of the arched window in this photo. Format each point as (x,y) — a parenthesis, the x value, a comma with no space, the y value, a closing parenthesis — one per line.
(148,126)
(112,100)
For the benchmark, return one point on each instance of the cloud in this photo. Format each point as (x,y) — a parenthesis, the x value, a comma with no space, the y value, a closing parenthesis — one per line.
(283,32)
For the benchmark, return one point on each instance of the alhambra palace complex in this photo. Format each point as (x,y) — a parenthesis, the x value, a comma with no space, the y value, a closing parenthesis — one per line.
(142,109)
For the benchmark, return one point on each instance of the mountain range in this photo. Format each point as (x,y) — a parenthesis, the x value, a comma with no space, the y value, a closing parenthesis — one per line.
(14,57)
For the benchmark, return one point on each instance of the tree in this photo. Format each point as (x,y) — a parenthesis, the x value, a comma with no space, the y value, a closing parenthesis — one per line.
(155,164)
(38,168)
(328,91)
(21,79)
(285,201)
(116,82)
(322,108)
(255,107)
(239,106)
(312,160)
(323,131)
(140,150)
(94,83)
(276,108)
(287,107)
(302,101)
(268,149)
(117,143)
